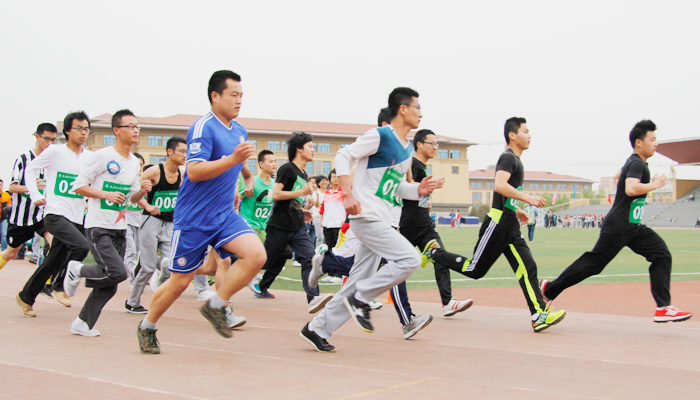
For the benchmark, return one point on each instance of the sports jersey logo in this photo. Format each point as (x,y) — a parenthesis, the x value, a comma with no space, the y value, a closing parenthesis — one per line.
(262,196)
(195,148)
(181,261)
(113,168)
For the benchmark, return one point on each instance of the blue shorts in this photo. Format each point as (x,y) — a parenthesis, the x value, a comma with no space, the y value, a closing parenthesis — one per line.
(190,246)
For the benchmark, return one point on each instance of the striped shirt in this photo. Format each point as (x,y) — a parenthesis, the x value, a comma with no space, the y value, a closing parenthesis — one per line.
(24,212)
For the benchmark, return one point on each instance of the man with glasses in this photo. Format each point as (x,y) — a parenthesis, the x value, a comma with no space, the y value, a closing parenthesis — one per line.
(64,210)
(110,178)
(157,227)
(26,216)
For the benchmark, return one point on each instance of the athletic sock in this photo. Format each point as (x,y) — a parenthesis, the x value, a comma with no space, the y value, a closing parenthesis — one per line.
(2,262)
(147,325)
(217,302)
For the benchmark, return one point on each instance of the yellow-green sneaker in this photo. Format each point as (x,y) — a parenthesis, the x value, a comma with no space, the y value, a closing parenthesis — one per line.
(545,320)
(427,254)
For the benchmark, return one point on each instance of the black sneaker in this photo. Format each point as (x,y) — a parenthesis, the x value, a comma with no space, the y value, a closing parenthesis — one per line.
(135,310)
(319,343)
(359,312)
(148,343)
(47,290)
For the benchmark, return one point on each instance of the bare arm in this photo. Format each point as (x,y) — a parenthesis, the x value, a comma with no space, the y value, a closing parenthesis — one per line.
(17,188)
(198,171)
(635,187)
(279,194)
(502,187)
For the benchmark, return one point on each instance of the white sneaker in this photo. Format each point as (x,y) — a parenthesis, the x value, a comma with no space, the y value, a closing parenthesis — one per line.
(296,263)
(80,327)
(375,305)
(72,278)
(253,285)
(316,270)
(455,306)
(317,303)
(206,294)
(335,279)
(233,320)
(321,249)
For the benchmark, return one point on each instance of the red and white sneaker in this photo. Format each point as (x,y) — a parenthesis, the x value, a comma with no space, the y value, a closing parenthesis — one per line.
(455,306)
(671,313)
(547,302)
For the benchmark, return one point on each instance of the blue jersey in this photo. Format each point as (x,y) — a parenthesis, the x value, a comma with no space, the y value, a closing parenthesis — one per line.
(205,205)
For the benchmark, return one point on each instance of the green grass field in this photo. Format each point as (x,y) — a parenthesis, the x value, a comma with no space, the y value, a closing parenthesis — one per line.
(554,250)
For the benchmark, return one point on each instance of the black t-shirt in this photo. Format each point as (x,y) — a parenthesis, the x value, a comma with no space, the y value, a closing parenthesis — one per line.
(165,195)
(626,212)
(415,213)
(509,162)
(286,214)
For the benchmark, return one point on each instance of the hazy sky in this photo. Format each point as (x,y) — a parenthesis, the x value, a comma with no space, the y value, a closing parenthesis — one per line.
(582,74)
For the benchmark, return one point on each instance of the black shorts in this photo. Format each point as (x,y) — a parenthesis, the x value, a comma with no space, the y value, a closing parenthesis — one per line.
(16,235)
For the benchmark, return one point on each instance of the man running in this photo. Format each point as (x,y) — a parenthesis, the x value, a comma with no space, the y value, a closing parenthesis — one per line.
(157,227)
(110,178)
(623,227)
(64,210)
(217,149)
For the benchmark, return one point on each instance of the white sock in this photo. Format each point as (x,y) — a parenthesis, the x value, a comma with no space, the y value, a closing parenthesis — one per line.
(145,324)
(217,302)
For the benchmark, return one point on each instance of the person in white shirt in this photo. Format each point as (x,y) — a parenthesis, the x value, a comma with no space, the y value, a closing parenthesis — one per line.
(63,212)
(110,178)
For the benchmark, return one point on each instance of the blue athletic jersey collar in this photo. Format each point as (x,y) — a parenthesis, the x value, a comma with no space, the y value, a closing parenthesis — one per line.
(221,122)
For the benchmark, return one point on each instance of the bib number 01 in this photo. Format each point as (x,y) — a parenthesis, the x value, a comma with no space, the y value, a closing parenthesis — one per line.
(636,211)
(388,186)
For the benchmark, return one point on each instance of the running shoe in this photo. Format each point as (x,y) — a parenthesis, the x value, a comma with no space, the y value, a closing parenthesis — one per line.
(417,323)
(427,254)
(148,343)
(135,310)
(359,312)
(80,327)
(72,279)
(27,310)
(455,306)
(264,294)
(671,313)
(316,270)
(318,343)
(47,290)
(233,320)
(318,302)
(547,301)
(547,319)
(217,318)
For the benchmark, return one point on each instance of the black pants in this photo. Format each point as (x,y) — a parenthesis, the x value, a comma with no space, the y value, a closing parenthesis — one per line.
(331,236)
(643,241)
(108,247)
(500,234)
(69,243)
(444,261)
(275,243)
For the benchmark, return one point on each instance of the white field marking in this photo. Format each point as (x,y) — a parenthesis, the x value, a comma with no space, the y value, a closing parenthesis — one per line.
(143,389)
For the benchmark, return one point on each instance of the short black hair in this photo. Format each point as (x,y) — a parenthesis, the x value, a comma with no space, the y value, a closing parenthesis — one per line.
(512,125)
(68,120)
(398,97)
(420,137)
(384,116)
(331,173)
(172,143)
(320,178)
(640,130)
(117,117)
(297,141)
(217,82)
(139,156)
(263,153)
(45,127)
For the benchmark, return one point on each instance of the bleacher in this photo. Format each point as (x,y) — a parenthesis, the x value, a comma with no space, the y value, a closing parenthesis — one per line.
(678,214)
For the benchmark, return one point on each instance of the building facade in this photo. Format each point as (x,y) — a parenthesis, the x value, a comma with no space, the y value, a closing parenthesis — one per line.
(451,161)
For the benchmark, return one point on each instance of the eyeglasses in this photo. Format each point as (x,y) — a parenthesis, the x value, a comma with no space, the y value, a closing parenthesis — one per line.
(434,144)
(411,105)
(130,126)
(182,151)
(81,129)
(48,139)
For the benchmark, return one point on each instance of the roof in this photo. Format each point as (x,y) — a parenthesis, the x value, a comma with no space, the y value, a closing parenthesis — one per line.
(682,151)
(272,126)
(529,176)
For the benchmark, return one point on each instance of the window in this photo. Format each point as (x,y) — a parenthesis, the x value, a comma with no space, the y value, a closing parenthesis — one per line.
(558,187)
(309,168)
(443,153)
(455,154)
(343,145)
(254,142)
(165,140)
(563,187)
(273,145)
(476,197)
(324,147)
(476,185)
(326,168)
(489,185)
(455,170)
(155,140)
(576,187)
(547,186)
(534,186)
(284,146)
(488,197)
(109,140)
(252,165)
(155,160)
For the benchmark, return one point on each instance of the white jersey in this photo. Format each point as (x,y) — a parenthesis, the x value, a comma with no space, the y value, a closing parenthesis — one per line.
(380,175)
(61,167)
(107,170)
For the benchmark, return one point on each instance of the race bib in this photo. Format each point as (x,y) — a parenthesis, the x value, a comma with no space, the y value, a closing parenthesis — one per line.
(114,187)
(388,187)
(636,211)
(513,203)
(134,207)
(64,185)
(297,186)
(262,211)
(165,200)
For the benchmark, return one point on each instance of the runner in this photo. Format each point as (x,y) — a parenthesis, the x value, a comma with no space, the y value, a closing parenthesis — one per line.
(133,224)
(64,210)
(157,226)
(217,149)
(110,178)
(623,228)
